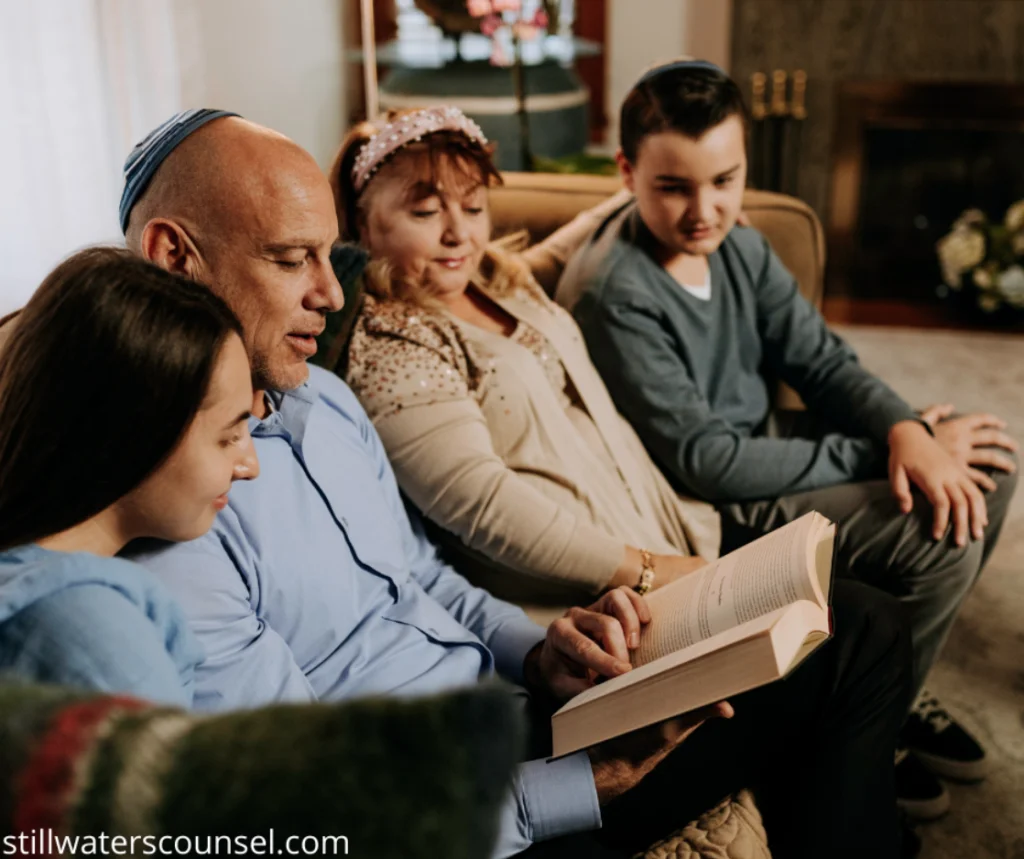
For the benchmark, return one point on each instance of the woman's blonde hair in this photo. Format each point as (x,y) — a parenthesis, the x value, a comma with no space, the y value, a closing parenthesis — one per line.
(500,272)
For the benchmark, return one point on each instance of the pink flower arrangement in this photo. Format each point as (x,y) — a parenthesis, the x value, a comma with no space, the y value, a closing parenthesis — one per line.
(491,15)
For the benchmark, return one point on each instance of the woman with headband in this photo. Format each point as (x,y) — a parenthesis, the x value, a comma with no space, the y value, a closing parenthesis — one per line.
(498,426)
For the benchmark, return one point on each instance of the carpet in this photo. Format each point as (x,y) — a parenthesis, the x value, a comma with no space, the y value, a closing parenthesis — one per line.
(980,675)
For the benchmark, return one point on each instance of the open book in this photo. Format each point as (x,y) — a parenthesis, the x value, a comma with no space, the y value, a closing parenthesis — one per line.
(747,619)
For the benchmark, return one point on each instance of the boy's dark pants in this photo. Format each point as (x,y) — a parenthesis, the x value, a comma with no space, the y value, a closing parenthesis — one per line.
(879,545)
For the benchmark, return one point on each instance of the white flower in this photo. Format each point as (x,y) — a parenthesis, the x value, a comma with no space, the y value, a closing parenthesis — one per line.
(1014,219)
(959,252)
(983,278)
(1011,285)
(970,218)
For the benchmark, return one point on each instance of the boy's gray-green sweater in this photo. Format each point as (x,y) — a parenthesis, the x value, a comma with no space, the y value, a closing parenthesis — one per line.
(690,375)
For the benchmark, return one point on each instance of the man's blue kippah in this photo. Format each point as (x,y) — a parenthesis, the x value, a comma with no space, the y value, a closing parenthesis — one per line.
(678,65)
(145,159)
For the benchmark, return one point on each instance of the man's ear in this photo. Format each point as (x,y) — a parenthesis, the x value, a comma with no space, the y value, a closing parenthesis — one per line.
(625,170)
(166,244)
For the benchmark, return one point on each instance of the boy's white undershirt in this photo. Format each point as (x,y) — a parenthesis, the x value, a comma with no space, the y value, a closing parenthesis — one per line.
(701,291)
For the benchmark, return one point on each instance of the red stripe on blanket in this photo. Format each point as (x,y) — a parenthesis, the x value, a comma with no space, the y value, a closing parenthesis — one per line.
(45,784)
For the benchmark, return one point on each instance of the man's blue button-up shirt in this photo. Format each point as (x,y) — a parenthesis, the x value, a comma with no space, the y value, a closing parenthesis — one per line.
(316,584)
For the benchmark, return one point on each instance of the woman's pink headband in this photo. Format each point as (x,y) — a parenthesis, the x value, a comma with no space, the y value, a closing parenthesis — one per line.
(392,136)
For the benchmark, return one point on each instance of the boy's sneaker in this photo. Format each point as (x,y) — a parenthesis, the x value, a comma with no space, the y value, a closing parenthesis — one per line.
(941,744)
(918,793)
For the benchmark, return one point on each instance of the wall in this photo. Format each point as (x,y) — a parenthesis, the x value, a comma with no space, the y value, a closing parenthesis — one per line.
(837,40)
(280,64)
(641,34)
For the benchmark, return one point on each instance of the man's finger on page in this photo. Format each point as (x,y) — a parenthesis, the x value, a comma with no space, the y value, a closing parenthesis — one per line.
(594,641)
(618,603)
(606,629)
(982,479)
(643,611)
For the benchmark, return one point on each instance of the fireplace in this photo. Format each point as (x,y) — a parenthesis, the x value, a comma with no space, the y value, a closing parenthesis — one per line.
(908,158)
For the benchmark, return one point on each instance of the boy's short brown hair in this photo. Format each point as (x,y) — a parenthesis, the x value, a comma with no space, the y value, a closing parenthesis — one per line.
(687,97)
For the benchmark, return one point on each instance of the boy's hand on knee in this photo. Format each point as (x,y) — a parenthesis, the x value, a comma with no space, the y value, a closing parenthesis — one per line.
(974,442)
(917,458)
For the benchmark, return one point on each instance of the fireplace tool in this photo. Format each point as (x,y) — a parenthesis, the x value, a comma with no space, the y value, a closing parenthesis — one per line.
(794,133)
(778,115)
(758,112)
(776,132)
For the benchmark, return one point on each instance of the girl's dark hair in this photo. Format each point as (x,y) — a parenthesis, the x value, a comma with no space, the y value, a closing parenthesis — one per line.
(465,153)
(687,100)
(107,365)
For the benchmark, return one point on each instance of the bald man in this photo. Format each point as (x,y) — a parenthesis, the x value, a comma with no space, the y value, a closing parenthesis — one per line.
(315,582)
(248,212)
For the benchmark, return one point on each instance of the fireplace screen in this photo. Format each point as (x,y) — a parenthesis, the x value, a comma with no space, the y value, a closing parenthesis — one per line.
(915,183)
(909,159)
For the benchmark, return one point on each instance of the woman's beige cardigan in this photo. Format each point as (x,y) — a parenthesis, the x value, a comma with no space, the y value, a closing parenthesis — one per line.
(482,445)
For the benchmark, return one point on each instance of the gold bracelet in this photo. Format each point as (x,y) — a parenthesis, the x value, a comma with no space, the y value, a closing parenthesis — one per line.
(646,572)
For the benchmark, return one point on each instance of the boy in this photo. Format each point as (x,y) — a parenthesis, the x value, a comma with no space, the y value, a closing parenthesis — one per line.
(683,311)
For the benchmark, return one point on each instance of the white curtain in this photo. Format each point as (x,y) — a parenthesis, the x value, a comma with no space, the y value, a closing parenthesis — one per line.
(81,81)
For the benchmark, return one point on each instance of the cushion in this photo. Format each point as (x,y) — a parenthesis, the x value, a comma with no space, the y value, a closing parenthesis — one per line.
(730,830)
(397,778)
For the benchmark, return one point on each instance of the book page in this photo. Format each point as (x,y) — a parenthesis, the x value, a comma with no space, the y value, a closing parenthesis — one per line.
(761,577)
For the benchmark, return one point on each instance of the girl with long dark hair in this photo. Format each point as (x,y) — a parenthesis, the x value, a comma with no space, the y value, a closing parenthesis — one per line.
(124,398)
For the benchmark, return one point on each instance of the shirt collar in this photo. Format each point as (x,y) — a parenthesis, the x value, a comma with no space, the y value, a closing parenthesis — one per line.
(288,413)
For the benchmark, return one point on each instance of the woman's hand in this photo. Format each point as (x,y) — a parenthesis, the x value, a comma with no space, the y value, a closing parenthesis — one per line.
(667,568)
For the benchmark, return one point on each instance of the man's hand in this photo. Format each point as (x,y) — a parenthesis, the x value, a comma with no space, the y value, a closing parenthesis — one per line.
(620,764)
(914,456)
(587,643)
(969,439)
